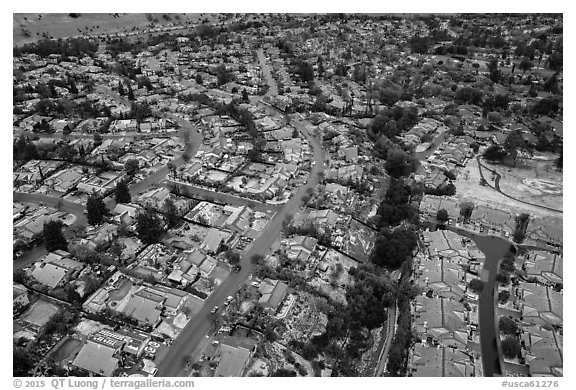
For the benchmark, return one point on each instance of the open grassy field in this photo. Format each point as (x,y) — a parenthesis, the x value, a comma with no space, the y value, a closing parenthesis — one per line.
(31,27)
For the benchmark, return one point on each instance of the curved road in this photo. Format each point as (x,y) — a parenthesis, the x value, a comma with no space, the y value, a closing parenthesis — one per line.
(494,248)
(174,361)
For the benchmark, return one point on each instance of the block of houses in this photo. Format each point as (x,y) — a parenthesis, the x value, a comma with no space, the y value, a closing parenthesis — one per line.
(426,361)
(543,351)
(441,321)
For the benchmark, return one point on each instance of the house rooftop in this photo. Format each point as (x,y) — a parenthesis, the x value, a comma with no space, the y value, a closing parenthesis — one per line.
(96,358)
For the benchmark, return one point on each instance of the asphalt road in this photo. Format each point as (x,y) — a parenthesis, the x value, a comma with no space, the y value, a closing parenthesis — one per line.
(175,360)
(267,74)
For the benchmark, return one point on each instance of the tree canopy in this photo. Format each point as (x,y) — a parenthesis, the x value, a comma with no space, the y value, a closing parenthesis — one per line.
(511,347)
(122,193)
(149,227)
(96,209)
(170,213)
(53,236)
(392,247)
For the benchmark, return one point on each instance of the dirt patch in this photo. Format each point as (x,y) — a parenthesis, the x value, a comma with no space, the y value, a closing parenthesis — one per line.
(535,181)
(468,188)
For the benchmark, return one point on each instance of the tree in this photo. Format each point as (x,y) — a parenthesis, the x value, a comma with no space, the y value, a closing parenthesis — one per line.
(96,209)
(132,166)
(525,64)
(198,79)
(223,75)
(257,259)
(245,96)
(397,164)
(419,44)
(282,372)
(305,71)
(466,209)
(122,193)
(476,285)
(547,106)
(392,247)
(233,257)
(503,297)
(389,96)
(442,216)
(514,143)
(149,227)
(97,139)
(53,236)
(130,93)
(468,95)
(511,347)
(520,228)
(559,161)
(493,69)
(68,152)
(371,292)
(22,362)
(170,213)
(117,249)
(187,311)
(494,153)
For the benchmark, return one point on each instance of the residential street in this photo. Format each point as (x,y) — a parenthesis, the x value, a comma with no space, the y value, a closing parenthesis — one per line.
(155,178)
(174,362)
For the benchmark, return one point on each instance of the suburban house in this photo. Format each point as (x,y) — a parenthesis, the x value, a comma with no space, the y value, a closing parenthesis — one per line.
(56,268)
(145,306)
(99,355)
(125,214)
(273,293)
(233,356)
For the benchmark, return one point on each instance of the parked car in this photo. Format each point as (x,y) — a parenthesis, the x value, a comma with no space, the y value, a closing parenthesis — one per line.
(214,309)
